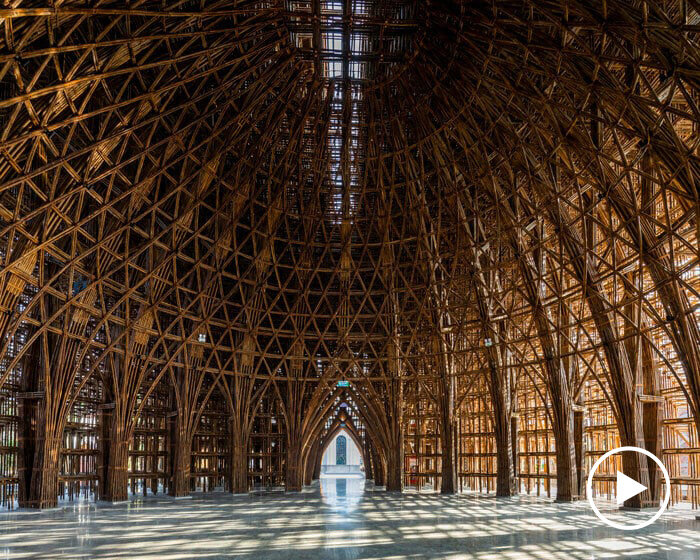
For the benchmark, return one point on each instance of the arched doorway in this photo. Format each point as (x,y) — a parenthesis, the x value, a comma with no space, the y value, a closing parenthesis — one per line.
(342,457)
(342,471)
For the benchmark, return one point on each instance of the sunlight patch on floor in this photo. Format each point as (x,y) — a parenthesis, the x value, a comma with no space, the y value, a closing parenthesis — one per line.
(338,520)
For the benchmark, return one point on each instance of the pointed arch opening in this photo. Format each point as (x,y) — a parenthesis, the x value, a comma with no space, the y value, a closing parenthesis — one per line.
(342,455)
(342,446)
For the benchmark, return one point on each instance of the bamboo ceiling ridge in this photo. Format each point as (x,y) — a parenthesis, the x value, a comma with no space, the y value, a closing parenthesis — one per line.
(480,217)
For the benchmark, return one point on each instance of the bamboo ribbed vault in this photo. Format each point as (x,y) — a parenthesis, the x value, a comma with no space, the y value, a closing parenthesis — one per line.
(483,215)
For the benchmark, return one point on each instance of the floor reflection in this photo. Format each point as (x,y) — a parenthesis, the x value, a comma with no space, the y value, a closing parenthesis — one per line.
(339,519)
(342,494)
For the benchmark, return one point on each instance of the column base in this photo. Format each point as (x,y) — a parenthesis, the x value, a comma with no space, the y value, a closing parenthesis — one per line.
(567,500)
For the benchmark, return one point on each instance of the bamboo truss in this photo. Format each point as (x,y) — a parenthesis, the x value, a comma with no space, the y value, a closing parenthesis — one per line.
(481,217)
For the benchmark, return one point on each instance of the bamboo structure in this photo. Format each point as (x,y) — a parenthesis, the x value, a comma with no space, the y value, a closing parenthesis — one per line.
(465,231)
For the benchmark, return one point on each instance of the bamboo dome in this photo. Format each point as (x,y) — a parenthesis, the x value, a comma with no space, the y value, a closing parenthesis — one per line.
(468,228)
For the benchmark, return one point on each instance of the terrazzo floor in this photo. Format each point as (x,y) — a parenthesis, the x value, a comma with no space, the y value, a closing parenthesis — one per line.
(340,519)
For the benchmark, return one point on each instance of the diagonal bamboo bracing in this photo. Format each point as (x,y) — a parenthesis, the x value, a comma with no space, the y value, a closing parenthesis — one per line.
(482,216)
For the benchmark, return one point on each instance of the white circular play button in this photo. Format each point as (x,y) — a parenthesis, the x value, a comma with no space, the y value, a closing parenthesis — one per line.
(628,488)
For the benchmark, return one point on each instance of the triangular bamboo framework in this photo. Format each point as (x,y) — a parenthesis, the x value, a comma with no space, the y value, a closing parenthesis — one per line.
(459,207)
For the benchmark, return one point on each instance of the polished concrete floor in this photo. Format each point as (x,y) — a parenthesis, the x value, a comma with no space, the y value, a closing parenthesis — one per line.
(340,520)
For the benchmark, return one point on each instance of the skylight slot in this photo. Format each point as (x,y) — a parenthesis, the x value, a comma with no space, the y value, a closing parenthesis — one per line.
(332,6)
(360,7)
(332,69)
(333,41)
(359,43)
(358,70)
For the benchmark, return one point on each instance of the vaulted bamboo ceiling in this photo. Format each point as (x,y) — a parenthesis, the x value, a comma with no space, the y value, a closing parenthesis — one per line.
(350,184)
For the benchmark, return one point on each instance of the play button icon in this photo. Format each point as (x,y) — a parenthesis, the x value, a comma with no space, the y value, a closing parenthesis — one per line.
(627,488)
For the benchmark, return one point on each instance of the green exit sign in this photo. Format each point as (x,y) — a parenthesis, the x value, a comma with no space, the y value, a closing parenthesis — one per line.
(343,384)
